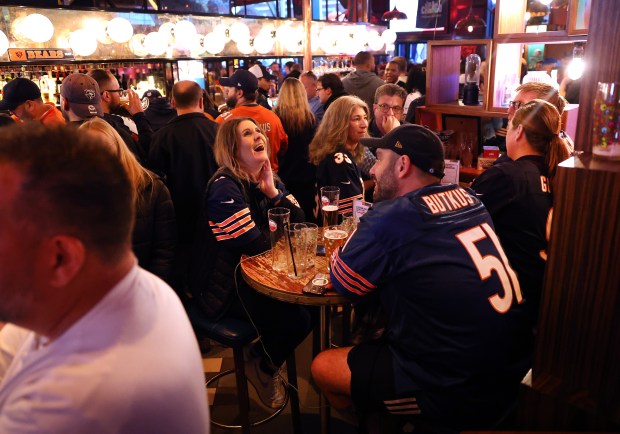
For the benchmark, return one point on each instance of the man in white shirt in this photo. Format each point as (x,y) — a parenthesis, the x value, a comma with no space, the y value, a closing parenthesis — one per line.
(94,343)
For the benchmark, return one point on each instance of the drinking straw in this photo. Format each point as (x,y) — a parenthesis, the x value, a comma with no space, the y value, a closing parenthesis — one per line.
(290,246)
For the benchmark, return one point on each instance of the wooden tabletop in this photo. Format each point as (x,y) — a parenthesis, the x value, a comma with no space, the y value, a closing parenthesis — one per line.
(257,272)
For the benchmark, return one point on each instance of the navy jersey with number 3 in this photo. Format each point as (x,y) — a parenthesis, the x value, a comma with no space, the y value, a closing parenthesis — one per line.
(453,304)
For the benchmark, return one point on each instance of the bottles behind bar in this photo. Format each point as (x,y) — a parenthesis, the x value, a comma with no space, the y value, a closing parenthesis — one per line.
(139,76)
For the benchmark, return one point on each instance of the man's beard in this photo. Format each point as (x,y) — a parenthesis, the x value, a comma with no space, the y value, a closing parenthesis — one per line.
(388,190)
(232,102)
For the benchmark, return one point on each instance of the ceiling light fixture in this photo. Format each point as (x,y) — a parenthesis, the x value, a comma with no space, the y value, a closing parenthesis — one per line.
(394,14)
(470,22)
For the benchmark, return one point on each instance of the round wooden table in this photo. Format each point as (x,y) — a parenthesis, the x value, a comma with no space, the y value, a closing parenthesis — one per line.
(257,272)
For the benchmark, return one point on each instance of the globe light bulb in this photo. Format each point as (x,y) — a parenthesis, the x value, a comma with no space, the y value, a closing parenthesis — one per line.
(389,36)
(223,31)
(239,32)
(184,34)
(263,43)
(120,30)
(575,68)
(214,42)
(82,42)
(136,45)
(375,42)
(37,28)
(156,43)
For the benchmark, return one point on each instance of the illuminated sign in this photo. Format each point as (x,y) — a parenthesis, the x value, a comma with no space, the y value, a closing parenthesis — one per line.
(28,54)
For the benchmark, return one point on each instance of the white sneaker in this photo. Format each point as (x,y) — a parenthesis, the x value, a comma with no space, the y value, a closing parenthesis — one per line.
(270,388)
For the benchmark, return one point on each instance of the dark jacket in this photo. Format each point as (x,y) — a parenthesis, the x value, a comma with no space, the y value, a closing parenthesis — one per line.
(132,143)
(159,113)
(182,150)
(296,170)
(142,140)
(262,98)
(155,232)
(332,98)
(235,212)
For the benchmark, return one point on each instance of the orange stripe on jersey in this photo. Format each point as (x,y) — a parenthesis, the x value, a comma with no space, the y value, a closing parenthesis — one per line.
(237,233)
(233,217)
(345,281)
(353,274)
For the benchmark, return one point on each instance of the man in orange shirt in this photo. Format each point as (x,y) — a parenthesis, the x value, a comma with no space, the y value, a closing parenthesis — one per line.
(240,93)
(22,97)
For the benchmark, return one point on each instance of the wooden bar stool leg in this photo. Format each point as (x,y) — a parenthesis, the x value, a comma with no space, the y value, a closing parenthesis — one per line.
(242,390)
(294,393)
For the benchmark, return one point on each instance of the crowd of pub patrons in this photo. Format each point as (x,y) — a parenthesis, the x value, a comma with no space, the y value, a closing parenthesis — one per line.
(116,222)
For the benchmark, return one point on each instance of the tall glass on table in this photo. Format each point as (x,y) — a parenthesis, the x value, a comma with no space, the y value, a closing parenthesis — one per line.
(334,237)
(279,222)
(330,196)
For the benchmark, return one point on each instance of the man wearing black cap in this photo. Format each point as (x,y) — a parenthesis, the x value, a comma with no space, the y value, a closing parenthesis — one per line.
(454,351)
(22,97)
(264,84)
(160,111)
(240,93)
(80,98)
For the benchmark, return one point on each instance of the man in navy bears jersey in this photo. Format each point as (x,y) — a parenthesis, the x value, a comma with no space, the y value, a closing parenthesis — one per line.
(457,339)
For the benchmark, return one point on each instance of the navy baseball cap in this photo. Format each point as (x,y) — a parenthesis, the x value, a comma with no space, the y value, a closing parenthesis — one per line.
(18,91)
(152,94)
(82,92)
(260,71)
(421,145)
(241,79)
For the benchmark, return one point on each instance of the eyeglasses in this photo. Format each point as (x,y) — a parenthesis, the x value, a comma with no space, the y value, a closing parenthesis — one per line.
(319,88)
(386,108)
(114,91)
(515,105)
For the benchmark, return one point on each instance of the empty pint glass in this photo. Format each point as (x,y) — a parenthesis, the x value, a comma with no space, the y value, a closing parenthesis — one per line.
(279,222)
(329,205)
(297,252)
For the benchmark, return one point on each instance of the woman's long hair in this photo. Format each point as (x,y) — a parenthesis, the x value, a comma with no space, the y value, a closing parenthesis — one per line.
(333,132)
(541,124)
(226,146)
(139,176)
(292,108)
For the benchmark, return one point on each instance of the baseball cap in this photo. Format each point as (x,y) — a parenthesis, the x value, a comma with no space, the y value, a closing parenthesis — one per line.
(241,79)
(18,91)
(83,93)
(420,144)
(260,71)
(152,94)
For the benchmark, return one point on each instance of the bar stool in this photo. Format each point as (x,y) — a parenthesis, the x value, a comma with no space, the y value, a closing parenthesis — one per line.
(238,334)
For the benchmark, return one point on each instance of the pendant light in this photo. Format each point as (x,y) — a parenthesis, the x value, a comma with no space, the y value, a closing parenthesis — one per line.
(394,14)
(471,22)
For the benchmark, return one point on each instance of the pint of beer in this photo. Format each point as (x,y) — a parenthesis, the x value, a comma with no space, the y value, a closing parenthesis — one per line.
(329,205)
(334,237)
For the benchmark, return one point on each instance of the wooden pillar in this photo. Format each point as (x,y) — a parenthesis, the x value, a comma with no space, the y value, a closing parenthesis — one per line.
(307,17)
(602,58)
(576,374)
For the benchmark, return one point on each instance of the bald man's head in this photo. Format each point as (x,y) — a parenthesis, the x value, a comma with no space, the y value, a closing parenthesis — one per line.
(187,95)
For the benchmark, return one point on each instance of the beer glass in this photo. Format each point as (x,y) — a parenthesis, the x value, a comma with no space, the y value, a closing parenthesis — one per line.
(312,233)
(329,205)
(334,237)
(279,221)
(297,251)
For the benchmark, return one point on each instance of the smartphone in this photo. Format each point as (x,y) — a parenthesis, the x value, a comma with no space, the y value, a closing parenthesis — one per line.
(317,285)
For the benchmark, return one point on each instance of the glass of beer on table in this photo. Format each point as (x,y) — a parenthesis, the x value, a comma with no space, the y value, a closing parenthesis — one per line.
(334,237)
(329,205)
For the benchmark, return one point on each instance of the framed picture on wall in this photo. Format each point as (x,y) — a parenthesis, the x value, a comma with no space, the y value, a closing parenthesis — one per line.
(579,17)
